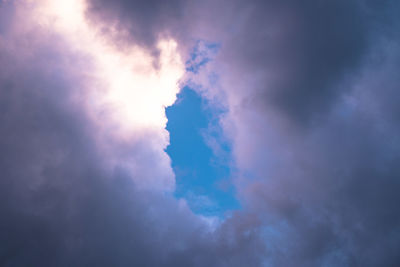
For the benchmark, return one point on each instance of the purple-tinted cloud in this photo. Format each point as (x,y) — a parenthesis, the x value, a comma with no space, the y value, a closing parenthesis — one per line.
(62,202)
(311,90)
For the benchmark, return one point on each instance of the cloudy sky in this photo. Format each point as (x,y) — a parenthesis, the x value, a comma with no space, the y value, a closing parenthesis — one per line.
(199,133)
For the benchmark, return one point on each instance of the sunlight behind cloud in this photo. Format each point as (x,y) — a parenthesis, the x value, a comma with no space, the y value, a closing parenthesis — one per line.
(129,88)
(123,91)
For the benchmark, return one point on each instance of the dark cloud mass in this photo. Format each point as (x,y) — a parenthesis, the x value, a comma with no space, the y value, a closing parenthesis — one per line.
(312,89)
(141,22)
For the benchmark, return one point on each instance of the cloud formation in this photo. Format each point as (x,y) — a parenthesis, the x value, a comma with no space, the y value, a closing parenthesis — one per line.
(67,194)
(311,91)
(314,133)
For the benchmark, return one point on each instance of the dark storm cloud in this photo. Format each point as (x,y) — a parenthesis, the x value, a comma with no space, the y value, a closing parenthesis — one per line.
(318,128)
(316,124)
(337,194)
(310,49)
(144,21)
(306,50)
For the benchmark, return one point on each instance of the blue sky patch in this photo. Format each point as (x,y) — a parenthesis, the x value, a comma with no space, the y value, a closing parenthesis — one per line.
(202,177)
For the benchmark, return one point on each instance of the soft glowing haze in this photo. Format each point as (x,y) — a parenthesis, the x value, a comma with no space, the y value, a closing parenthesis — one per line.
(124,92)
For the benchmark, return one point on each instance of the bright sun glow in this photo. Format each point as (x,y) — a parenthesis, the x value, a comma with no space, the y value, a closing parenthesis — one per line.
(129,89)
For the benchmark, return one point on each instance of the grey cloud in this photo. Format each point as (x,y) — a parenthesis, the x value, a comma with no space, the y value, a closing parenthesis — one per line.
(330,189)
(311,88)
(304,53)
(145,22)
(59,204)
(7,10)
(316,123)
(316,127)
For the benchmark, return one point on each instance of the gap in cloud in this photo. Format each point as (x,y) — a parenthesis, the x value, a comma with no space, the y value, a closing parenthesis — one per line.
(202,173)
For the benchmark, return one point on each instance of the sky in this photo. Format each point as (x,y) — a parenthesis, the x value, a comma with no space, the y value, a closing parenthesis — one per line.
(199,133)
(201,173)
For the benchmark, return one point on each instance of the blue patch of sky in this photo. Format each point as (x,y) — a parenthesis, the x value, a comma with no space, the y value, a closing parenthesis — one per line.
(201,156)
(202,176)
